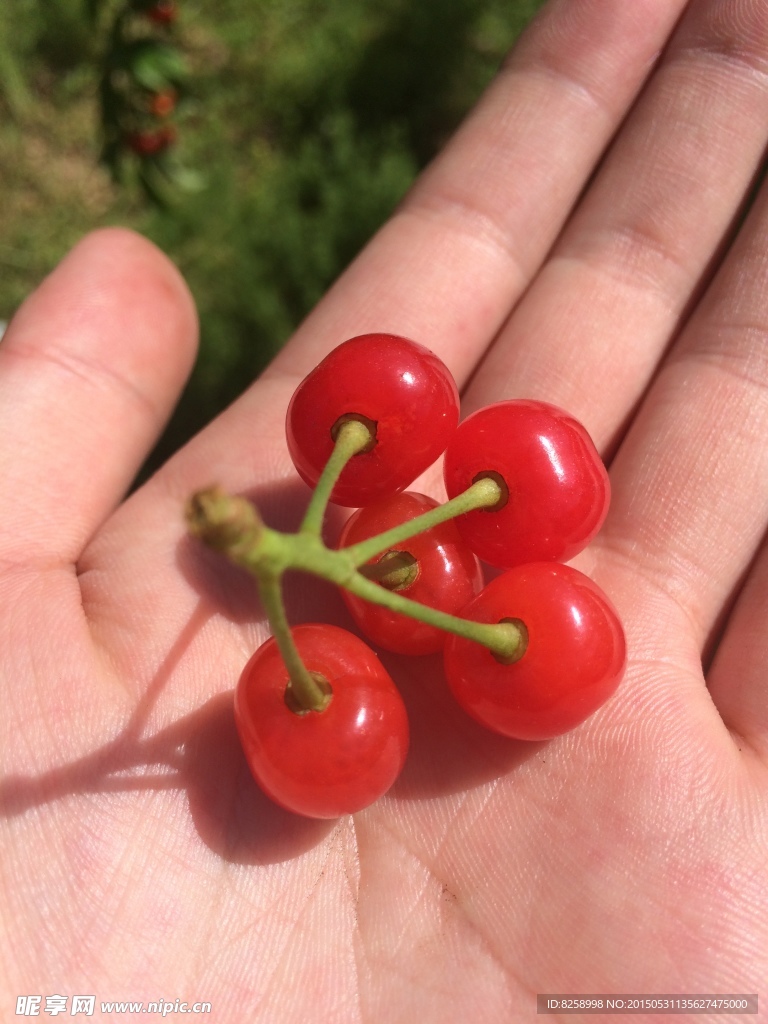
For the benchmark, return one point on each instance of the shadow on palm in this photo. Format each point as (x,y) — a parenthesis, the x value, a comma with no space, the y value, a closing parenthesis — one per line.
(199,754)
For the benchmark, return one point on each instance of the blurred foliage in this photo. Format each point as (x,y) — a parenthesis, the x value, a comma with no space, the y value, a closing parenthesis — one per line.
(307,119)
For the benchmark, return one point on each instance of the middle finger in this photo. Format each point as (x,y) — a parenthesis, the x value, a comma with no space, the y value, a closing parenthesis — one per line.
(591,329)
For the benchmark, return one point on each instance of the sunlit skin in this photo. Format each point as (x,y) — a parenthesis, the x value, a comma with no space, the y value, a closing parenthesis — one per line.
(574,243)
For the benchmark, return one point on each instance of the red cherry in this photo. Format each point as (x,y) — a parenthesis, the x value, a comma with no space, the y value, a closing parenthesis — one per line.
(322,764)
(573,661)
(400,388)
(446,574)
(558,489)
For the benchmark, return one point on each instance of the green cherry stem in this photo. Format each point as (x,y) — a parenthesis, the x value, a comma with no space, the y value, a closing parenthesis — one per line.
(352,438)
(232,526)
(504,639)
(485,493)
(305,691)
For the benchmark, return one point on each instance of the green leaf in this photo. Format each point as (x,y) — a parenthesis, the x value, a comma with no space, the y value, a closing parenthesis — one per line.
(186,179)
(154,183)
(155,65)
(13,87)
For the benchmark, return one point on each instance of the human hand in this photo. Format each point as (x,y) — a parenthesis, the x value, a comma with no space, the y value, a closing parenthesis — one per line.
(575,243)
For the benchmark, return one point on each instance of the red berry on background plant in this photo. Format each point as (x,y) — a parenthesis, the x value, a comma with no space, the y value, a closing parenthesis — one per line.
(164,12)
(444,574)
(399,389)
(322,764)
(161,104)
(557,489)
(573,659)
(150,142)
(144,143)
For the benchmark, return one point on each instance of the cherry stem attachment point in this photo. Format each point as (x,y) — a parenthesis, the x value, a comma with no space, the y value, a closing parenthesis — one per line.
(395,569)
(352,437)
(485,493)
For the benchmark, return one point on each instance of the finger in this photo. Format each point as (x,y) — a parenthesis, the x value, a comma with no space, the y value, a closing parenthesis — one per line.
(690,504)
(737,677)
(449,266)
(90,368)
(600,314)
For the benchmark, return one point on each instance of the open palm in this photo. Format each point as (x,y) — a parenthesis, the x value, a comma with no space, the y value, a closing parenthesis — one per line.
(584,239)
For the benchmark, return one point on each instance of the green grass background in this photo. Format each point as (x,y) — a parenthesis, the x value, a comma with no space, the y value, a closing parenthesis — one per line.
(308,119)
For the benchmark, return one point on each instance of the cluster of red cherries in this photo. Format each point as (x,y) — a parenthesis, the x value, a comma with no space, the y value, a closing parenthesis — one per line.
(530,655)
(151,140)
